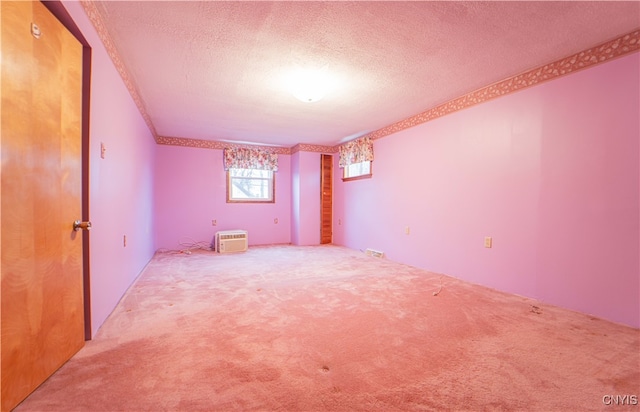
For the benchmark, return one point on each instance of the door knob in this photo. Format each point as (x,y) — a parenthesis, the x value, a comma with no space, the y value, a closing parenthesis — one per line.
(78,225)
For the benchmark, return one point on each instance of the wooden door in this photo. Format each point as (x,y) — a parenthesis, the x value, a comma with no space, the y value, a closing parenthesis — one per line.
(40,144)
(326,202)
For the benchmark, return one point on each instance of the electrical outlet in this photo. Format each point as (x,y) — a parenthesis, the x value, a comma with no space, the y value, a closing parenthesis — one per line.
(339,222)
(214,222)
(103,150)
(275,221)
(488,242)
(124,241)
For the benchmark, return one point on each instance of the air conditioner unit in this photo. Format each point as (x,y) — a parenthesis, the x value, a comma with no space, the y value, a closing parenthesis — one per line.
(228,241)
(374,253)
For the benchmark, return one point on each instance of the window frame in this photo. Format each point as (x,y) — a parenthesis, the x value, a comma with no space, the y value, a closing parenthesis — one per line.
(358,177)
(232,200)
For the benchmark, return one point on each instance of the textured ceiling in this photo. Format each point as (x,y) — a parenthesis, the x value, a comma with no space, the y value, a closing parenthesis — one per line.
(213,70)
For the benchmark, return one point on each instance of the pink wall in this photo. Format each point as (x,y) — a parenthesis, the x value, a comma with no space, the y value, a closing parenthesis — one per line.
(550,172)
(121,185)
(190,192)
(305,207)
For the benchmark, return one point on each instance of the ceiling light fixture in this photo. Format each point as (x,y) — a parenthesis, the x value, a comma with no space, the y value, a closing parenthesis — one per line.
(309,85)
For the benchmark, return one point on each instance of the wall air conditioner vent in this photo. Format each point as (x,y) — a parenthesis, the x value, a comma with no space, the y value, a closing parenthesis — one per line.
(229,241)
(374,253)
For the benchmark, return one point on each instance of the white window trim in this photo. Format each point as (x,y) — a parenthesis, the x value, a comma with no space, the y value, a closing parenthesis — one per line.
(346,178)
(272,185)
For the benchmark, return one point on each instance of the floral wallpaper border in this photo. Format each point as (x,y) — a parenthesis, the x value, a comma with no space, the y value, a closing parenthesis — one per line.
(618,47)
(301,147)
(214,144)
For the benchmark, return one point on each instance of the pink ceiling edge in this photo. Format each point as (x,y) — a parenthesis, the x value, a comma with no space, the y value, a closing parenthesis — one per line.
(94,16)
(618,47)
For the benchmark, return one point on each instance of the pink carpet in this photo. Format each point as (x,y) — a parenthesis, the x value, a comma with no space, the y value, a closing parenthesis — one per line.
(285,328)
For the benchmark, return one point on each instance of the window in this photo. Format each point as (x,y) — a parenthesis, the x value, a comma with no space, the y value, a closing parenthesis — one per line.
(361,170)
(355,159)
(250,186)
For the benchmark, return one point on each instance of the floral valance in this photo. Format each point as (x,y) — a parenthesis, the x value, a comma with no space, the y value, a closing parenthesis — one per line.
(356,151)
(245,158)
